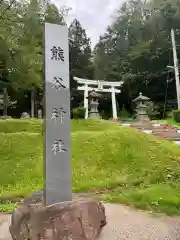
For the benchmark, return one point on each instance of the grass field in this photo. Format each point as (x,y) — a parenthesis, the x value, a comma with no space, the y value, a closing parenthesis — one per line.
(128,166)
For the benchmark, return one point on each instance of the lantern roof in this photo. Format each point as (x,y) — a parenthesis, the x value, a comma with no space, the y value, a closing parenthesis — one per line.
(141,98)
(94,94)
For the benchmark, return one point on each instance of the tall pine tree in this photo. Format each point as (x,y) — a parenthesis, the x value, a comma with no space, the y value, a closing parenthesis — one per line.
(80,58)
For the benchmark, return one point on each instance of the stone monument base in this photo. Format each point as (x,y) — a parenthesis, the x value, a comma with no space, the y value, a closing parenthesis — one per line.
(80,219)
(94,116)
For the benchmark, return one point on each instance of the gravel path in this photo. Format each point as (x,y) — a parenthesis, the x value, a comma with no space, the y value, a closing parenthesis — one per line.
(4,226)
(125,223)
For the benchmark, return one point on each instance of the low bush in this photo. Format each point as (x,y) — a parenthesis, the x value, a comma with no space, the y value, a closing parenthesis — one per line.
(176,115)
(124,114)
(78,113)
(153,110)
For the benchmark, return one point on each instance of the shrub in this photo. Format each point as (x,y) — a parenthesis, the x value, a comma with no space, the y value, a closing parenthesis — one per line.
(152,110)
(78,112)
(106,114)
(169,114)
(176,115)
(124,114)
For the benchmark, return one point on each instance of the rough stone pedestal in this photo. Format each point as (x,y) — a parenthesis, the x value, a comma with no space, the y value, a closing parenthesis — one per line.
(80,219)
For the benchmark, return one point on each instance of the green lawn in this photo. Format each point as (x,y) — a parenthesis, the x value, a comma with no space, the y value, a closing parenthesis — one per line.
(135,168)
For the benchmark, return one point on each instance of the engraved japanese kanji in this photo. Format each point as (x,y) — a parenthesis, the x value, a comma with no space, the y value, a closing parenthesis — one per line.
(57,53)
(58,83)
(58,114)
(58,146)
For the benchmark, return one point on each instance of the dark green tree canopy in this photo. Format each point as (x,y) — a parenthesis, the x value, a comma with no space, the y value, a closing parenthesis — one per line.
(136,48)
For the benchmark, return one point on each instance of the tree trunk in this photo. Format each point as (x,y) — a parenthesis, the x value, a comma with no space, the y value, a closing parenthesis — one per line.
(32,102)
(5,102)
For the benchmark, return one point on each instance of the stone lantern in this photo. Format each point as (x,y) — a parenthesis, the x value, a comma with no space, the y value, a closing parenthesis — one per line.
(141,108)
(94,103)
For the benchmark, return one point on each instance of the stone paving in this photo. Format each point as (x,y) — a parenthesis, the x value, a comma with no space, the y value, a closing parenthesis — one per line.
(124,223)
(160,130)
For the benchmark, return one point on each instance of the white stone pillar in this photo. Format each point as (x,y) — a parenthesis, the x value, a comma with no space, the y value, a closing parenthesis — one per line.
(114,107)
(86,100)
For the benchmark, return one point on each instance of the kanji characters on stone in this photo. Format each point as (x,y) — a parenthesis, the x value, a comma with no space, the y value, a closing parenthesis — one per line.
(57,53)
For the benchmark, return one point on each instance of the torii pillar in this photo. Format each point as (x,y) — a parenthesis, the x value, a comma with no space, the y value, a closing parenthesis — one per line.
(100,86)
(114,106)
(86,100)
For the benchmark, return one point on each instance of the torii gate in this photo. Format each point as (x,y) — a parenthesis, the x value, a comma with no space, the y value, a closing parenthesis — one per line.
(99,87)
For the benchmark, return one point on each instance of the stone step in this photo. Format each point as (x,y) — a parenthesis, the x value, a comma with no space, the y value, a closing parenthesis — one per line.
(166,133)
(145,126)
(172,136)
(159,131)
(164,130)
(151,126)
(163,127)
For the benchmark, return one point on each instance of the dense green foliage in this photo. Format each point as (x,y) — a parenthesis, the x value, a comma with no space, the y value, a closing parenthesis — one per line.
(131,167)
(22,50)
(78,112)
(176,115)
(135,48)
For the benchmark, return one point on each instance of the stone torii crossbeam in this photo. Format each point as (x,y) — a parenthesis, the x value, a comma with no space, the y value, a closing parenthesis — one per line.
(99,86)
